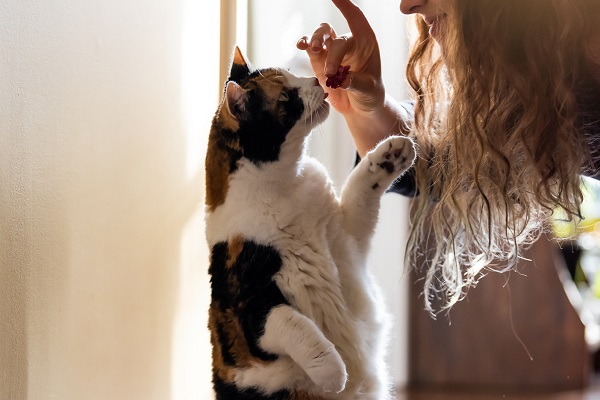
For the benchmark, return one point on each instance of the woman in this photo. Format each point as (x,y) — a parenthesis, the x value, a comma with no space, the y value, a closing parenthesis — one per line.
(506,118)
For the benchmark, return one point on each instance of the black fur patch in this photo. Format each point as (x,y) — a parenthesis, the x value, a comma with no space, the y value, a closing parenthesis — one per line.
(238,72)
(388,166)
(226,352)
(264,131)
(226,391)
(265,122)
(244,287)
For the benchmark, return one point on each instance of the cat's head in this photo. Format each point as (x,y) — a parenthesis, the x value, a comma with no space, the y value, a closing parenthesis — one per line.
(264,118)
(264,109)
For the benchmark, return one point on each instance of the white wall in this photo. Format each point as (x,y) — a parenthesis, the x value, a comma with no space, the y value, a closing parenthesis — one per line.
(103,286)
(283,23)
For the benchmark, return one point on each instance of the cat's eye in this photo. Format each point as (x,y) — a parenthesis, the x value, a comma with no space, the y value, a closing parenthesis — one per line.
(284,96)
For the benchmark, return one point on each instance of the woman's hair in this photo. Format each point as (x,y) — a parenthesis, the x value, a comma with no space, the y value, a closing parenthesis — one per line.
(496,121)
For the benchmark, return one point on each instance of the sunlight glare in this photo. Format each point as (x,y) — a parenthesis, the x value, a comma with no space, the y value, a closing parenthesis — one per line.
(191,349)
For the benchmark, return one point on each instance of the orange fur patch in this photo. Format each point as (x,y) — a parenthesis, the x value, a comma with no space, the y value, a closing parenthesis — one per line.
(217,175)
(235,342)
(234,248)
(271,83)
(217,164)
(238,57)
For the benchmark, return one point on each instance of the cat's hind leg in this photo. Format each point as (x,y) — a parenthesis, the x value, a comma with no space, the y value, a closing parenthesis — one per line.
(369,180)
(289,333)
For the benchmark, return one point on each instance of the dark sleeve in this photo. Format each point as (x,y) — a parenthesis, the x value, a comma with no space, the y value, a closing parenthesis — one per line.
(406,185)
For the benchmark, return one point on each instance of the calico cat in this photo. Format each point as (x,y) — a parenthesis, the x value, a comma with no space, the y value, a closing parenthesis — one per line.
(294,314)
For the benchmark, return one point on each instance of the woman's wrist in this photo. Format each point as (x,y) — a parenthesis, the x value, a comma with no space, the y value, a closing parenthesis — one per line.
(369,128)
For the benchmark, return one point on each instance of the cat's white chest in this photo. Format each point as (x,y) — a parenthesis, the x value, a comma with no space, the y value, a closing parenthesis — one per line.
(296,220)
(299,209)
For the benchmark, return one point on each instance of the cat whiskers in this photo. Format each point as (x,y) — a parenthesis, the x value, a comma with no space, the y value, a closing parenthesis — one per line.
(317,114)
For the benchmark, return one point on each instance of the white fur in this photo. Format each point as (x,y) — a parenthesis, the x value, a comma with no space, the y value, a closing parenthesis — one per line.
(336,326)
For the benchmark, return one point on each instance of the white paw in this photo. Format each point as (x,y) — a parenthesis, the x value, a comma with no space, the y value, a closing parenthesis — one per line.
(328,371)
(391,158)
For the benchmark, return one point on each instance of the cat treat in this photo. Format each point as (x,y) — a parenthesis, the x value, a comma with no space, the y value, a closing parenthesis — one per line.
(336,80)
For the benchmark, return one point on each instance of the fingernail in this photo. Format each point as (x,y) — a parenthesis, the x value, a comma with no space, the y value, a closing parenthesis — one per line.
(315,45)
(302,44)
(330,69)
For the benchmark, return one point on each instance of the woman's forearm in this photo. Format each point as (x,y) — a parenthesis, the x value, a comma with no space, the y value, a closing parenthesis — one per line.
(369,129)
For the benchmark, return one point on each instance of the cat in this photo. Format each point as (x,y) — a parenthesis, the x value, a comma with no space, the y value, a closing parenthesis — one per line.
(294,313)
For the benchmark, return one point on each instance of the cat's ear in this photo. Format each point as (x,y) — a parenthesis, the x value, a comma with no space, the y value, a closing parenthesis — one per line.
(235,100)
(240,67)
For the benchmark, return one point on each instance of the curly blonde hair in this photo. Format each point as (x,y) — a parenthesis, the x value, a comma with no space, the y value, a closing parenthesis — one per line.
(496,121)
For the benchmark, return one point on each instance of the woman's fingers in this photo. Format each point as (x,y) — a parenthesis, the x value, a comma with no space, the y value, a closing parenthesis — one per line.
(357,22)
(317,59)
(321,37)
(302,43)
(337,50)
(318,42)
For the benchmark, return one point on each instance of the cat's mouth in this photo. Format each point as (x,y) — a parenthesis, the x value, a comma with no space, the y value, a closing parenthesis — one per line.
(317,107)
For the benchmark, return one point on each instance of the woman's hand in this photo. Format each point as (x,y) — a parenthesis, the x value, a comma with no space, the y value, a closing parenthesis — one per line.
(362,92)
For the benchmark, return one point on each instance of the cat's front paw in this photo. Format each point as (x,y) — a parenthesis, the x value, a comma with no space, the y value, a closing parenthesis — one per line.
(328,371)
(390,159)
